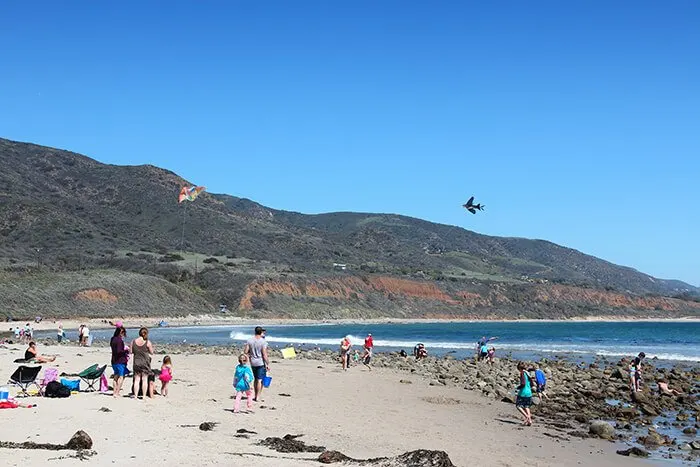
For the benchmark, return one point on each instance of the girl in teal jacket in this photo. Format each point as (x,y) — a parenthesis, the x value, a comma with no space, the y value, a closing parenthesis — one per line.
(242,383)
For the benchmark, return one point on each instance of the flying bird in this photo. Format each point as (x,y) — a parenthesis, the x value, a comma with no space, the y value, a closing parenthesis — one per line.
(471,207)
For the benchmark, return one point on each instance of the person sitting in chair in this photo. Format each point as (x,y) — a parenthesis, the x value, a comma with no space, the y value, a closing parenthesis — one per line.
(32,354)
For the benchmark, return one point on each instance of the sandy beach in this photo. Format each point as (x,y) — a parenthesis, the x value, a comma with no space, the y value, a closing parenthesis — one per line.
(360,413)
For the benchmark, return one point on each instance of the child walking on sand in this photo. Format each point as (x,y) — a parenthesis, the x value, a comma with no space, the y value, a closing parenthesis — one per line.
(242,381)
(523,401)
(166,374)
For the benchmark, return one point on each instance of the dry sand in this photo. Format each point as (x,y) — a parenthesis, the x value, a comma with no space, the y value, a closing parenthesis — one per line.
(363,414)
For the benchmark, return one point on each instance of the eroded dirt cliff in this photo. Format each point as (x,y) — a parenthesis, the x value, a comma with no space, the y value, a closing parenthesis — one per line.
(392,296)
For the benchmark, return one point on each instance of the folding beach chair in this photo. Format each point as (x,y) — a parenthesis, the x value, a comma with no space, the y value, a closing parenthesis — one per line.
(50,374)
(24,377)
(90,375)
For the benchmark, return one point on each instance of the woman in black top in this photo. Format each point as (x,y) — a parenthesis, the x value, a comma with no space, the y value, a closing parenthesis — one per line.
(32,354)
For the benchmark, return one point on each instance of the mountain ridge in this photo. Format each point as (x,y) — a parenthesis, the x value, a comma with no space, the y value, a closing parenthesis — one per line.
(63,210)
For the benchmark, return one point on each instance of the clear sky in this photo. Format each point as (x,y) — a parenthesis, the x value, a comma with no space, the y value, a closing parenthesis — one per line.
(575,122)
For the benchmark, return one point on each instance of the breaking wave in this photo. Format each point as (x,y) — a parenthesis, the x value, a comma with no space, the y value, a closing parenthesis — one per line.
(660,353)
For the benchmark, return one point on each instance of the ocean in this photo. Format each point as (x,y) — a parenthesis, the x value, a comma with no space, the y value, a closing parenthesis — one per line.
(668,341)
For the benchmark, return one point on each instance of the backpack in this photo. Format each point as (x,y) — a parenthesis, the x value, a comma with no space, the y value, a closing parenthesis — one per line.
(56,389)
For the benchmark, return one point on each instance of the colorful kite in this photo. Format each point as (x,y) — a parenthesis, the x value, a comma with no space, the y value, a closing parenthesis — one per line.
(190,193)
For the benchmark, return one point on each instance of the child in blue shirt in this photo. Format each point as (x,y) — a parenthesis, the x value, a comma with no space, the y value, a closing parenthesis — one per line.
(541,380)
(242,383)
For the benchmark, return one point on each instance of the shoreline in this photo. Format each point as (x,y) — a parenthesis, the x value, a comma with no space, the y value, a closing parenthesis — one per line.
(50,323)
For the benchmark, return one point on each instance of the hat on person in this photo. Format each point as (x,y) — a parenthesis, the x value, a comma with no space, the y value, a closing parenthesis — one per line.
(369,334)
(118,324)
(258,330)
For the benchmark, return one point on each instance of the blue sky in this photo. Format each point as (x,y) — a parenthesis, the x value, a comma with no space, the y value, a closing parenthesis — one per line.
(575,122)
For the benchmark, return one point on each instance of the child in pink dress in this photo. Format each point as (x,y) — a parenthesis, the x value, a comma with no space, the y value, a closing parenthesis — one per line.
(166,374)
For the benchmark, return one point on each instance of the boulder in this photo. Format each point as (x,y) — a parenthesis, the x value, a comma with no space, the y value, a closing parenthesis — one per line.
(79,441)
(617,374)
(648,409)
(602,429)
(509,398)
(640,397)
(332,457)
(652,439)
(690,430)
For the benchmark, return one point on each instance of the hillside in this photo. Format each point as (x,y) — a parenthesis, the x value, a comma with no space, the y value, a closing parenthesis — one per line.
(62,212)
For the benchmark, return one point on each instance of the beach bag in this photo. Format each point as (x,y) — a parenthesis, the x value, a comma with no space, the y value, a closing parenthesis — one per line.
(56,389)
(70,384)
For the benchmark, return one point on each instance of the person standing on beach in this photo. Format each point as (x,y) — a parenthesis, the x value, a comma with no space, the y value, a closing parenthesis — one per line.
(86,336)
(120,354)
(523,401)
(369,342)
(256,349)
(142,349)
(59,333)
(345,346)
(369,348)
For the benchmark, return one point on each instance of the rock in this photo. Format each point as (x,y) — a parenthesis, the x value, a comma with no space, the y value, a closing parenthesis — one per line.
(332,457)
(402,381)
(695,445)
(602,429)
(685,447)
(79,441)
(634,452)
(648,409)
(207,426)
(690,430)
(509,398)
(105,409)
(652,439)
(627,412)
(581,418)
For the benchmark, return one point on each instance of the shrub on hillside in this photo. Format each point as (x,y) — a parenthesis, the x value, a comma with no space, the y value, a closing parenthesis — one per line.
(170,258)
